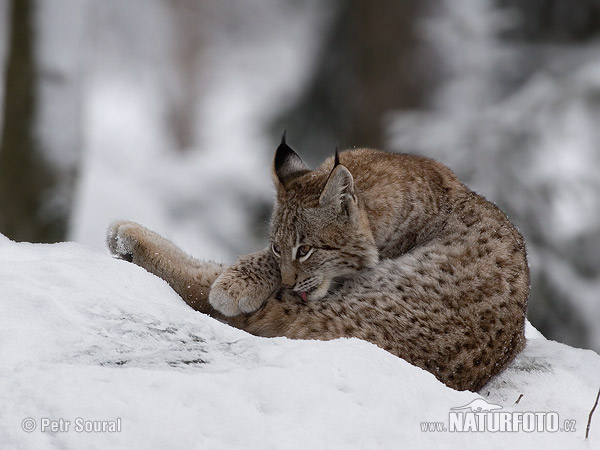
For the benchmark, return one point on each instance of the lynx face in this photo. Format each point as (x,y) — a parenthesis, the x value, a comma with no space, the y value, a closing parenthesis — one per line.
(319,231)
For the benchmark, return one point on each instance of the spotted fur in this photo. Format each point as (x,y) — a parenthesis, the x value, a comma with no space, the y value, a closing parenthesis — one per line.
(402,255)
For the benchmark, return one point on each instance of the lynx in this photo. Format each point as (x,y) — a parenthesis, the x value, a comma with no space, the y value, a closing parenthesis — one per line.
(389,248)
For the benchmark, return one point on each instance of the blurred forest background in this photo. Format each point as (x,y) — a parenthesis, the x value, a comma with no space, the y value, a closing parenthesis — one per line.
(167,112)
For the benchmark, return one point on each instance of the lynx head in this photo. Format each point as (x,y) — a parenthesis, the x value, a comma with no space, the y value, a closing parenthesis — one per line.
(319,229)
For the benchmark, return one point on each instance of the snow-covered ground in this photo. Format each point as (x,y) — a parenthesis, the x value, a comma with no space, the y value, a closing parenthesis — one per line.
(83,335)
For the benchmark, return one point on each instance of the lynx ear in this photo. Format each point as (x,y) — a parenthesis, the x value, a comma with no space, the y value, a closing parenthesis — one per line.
(339,189)
(286,165)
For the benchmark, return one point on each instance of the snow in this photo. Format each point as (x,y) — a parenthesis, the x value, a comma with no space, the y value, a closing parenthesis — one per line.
(88,336)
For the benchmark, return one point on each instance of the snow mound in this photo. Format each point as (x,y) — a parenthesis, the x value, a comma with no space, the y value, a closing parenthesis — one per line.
(86,337)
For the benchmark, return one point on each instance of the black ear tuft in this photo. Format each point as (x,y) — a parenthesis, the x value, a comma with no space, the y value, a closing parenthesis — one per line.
(336,161)
(283,137)
(286,164)
(282,154)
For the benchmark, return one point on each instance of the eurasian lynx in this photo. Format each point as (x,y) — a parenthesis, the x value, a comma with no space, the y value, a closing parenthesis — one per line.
(388,248)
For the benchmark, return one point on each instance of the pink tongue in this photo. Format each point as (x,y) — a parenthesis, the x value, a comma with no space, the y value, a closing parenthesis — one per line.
(302,295)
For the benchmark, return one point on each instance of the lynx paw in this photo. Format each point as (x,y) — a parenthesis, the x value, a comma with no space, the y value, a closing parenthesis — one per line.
(122,238)
(231,294)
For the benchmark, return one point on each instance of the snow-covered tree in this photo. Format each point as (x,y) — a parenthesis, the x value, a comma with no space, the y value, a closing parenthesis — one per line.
(525,136)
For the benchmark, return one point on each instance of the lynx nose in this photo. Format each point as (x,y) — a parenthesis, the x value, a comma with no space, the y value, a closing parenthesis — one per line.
(287,285)
(288,279)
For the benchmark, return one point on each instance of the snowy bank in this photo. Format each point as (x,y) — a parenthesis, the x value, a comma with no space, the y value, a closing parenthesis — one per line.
(86,338)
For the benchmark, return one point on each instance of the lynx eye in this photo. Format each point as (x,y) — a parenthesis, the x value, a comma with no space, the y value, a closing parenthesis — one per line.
(303,252)
(275,249)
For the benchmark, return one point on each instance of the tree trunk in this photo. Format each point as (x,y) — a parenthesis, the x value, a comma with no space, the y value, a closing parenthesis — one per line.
(25,176)
(368,67)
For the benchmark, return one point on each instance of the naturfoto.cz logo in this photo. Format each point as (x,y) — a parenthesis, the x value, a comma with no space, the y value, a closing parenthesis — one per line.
(480,415)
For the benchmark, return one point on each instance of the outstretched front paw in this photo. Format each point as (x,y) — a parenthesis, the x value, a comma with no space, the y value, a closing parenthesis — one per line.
(122,238)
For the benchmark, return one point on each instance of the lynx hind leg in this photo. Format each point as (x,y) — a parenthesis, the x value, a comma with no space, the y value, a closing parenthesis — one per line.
(246,285)
(121,239)
(189,277)
(134,243)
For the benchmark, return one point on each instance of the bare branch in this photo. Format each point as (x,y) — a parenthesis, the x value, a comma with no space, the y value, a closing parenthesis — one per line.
(587,430)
